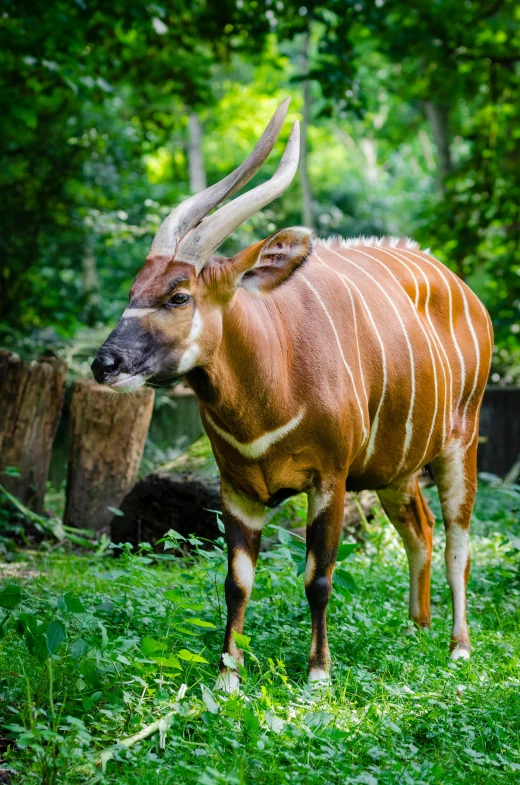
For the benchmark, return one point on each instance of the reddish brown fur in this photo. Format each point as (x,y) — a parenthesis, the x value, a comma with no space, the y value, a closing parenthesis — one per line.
(276,341)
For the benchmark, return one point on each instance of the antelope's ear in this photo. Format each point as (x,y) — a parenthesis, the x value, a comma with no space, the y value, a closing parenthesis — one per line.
(267,264)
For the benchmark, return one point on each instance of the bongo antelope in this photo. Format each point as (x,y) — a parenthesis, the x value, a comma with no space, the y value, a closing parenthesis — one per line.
(319,367)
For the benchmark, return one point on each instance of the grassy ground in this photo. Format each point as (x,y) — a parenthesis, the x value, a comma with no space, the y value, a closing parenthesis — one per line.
(94,649)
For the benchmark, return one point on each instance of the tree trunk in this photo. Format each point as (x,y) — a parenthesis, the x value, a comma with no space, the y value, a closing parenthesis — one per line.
(195,157)
(107,435)
(307,212)
(438,117)
(31,398)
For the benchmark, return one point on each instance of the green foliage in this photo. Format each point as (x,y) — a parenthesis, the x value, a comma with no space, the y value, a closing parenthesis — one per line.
(413,131)
(95,649)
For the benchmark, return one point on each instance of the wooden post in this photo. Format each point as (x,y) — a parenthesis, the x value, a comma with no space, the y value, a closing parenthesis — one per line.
(31,398)
(107,433)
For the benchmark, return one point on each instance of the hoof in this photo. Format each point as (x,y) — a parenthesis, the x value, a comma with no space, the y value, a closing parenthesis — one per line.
(228,681)
(318,674)
(461,651)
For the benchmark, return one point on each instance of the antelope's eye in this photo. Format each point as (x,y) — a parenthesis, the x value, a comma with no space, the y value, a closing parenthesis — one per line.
(179,298)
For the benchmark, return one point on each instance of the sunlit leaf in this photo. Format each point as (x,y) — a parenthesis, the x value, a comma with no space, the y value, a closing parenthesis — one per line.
(241,640)
(199,623)
(150,646)
(189,656)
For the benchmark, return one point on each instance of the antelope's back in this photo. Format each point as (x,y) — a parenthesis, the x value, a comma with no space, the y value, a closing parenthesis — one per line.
(409,340)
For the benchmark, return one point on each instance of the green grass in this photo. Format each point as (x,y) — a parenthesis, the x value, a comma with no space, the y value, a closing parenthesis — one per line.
(126,634)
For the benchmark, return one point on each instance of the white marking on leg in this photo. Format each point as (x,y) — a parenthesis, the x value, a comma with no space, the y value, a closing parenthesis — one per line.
(459,653)
(131,313)
(244,572)
(375,424)
(409,419)
(228,681)
(318,501)
(310,569)
(456,558)
(345,363)
(260,446)
(417,557)
(318,674)
(453,463)
(247,511)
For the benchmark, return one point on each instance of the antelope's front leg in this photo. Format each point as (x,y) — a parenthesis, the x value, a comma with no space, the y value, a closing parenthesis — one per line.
(324,525)
(243,522)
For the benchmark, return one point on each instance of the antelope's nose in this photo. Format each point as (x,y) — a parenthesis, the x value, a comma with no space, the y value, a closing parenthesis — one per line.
(105,364)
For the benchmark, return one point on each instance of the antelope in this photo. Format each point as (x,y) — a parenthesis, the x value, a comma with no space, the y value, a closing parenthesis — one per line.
(319,366)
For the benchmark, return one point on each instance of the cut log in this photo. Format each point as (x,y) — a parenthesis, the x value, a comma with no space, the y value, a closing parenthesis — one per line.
(160,502)
(107,433)
(31,399)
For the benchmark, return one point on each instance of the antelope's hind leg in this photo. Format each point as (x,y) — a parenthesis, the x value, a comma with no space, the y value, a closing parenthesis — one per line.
(456,476)
(407,510)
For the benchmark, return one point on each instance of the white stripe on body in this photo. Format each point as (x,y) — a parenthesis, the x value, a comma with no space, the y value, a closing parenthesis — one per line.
(437,342)
(345,363)
(375,424)
(409,421)
(434,367)
(473,335)
(258,447)
(353,305)
(245,510)
(439,268)
(415,281)
(490,338)
(477,356)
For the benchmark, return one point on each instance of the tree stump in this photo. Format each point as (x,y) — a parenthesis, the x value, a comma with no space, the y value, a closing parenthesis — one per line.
(31,399)
(107,433)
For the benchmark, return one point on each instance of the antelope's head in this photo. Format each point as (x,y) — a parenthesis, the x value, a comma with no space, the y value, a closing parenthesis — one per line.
(173,321)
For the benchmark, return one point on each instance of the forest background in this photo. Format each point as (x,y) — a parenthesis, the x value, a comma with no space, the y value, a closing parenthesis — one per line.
(112,113)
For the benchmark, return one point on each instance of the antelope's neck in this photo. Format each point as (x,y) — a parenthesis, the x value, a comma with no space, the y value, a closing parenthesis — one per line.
(246,388)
